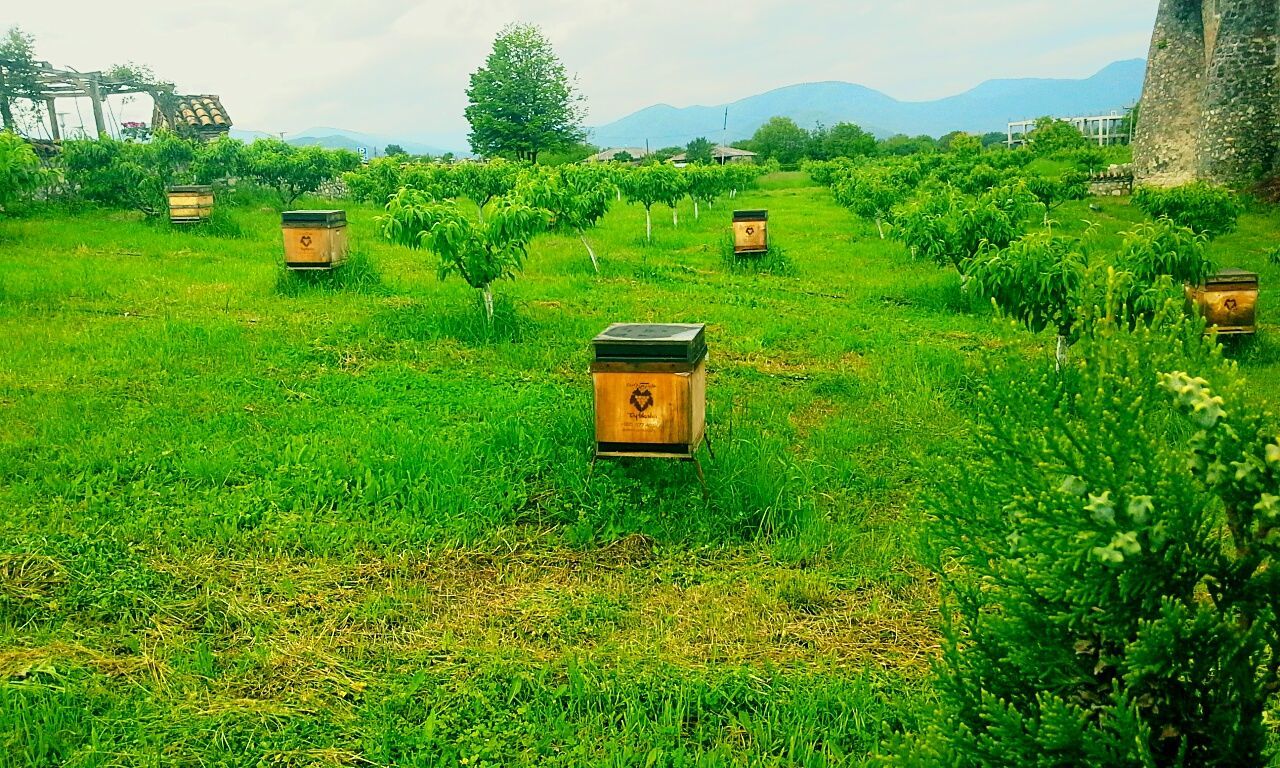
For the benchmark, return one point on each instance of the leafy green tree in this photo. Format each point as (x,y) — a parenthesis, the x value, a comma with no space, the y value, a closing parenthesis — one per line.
(706,184)
(482,182)
(20,170)
(848,140)
(481,253)
(1050,136)
(994,139)
(651,184)
(1051,192)
(903,146)
(217,160)
(871,193)
(18,75)
(700,152)
(1161,257)
(1206,208)
(577,197)
(782,140)
(1108,563)
(128,175)
(951,228)
(522,101)
(1037,280)
(377,180)
(292,171)
(392,150)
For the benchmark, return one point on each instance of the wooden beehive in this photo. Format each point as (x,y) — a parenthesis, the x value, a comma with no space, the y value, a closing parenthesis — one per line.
(650,390)
(750,232)
(314,239)
(1228,301)
(190,204)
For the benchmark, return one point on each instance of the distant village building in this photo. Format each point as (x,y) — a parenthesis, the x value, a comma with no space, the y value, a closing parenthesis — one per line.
(722,155)
(1104,129)
(628,154)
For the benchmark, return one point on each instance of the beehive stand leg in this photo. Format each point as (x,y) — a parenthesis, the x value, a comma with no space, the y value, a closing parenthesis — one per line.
(697,467)
(706,438)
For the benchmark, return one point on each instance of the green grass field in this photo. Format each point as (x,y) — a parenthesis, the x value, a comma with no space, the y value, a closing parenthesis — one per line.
(250,519)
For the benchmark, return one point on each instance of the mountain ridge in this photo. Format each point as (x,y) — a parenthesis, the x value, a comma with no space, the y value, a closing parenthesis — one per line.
(987,106)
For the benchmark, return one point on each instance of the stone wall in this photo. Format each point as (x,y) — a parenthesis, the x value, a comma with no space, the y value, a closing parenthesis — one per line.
(1210,108)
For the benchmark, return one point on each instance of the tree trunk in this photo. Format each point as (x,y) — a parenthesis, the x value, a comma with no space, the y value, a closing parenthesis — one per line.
(697,216)
(6,114)
(480,211)
(1060,354)
(675,216)
(594,262)
(487,293)
(648,225)
(880,227)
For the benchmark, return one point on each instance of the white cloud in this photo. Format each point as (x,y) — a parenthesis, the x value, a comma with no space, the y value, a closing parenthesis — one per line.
(401,66)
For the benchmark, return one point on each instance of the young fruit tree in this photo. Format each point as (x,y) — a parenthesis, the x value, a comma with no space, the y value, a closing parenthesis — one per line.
(292,171)
(1108,563)
(482,182)
(1158,257)
(1202,207)
(1052,192)
(20,170)
(871,193)
(706,184)
(577,197)
(128,174)
(481,253)
(951,228)
(1036,280)
(522,102)
(652,184)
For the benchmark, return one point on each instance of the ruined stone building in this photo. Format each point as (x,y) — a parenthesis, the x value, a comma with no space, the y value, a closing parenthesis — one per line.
(1211,105)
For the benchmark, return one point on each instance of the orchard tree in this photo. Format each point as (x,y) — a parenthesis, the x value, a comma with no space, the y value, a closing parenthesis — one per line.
(706,184)
(482,182)
(480,253)
(376,181)
(126,174)
(20,171)
(652,184)
(951,228)
(1051,192)
(1206,208)
(522,101)
(577,197)
(1052,135)
(217,160)
(294,171)
(871,193)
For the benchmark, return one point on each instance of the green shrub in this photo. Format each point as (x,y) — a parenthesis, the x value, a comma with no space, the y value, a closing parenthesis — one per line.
(1205,208)
(1036,280)
(1107,564)
(20,171)
(951,228)
(128,175)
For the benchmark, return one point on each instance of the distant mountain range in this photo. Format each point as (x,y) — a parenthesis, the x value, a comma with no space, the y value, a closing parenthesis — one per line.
(988,107)
(340,138)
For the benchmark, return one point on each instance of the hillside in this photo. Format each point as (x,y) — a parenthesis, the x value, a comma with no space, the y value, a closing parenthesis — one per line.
(988,107)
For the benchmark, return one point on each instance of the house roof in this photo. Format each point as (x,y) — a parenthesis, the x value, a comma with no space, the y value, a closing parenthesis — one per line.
(201,112)
(609,154)
(718,152)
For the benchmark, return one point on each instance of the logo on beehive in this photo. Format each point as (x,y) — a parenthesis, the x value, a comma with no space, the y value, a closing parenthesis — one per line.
(642,399)
(305,240)
(1230,304)
(751,230)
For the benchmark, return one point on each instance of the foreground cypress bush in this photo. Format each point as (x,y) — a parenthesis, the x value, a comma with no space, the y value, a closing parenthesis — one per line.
(1108,566)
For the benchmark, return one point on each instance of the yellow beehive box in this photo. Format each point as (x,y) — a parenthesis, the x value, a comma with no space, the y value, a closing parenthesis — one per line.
(314,239)
(190,204)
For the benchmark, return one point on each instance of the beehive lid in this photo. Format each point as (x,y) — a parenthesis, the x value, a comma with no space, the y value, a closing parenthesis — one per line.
(314,218)
(648,342)
(1233,277)
(750,215)
(197,188)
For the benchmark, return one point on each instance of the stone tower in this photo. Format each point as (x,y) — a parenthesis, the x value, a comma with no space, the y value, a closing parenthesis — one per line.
(1210,108)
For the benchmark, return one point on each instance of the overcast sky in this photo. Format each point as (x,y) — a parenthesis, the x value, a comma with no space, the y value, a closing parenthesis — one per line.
(400,67)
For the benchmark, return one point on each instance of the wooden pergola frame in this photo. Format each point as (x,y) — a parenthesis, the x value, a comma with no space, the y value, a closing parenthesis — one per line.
(68,83)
